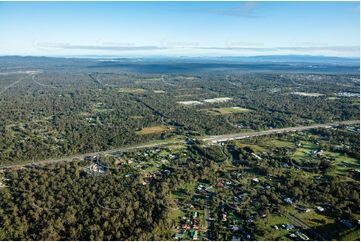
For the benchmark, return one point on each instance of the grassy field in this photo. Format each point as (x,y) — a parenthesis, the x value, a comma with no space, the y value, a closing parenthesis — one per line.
(350,235)
(301,153)
(154,130)
(255,148)
(136,117)
(266,224)
(131,90)
(275,143)
(339,162)
(225,111)
(158,91)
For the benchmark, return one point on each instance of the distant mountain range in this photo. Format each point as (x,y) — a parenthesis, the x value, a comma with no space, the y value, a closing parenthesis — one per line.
(160,64)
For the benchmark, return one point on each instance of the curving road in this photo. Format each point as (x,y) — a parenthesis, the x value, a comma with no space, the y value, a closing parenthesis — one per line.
(207,139)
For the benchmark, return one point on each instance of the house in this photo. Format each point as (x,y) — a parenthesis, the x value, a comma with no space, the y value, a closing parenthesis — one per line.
(347,223)
(165,171)
(302,236)
(95,168)
(288,200)
(320,209)
(303,209)
(255,180)
(287,226)
(258,157)
(219,185)
(293,235)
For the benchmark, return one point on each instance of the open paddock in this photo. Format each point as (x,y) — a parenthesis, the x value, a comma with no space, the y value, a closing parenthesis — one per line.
(189,103)
(308,94)
(225,111)
(154,130)
(218,100)
(131,90)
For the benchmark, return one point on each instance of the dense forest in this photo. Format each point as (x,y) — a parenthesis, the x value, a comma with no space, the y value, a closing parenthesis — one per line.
(146,174)
(59,108)
(64,202)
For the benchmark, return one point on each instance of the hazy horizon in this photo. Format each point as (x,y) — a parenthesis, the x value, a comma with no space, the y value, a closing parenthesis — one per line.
(173,29)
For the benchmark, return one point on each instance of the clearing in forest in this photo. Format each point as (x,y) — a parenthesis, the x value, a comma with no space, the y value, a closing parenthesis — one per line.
(226,110)
(190,103)
(154,130)
(308,94)
(217,100)
(131,90)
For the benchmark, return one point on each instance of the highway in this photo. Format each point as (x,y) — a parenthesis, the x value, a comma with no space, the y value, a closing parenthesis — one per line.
(207,139)
(82,156)
(229,137)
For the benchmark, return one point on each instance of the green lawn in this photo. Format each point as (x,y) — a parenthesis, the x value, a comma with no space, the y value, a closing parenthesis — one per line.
(350,235)
(254,147)
(266,225)
(275,143)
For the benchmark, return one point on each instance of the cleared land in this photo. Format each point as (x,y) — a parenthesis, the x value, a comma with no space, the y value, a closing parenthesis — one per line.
(154,130)
(225,111)
(190,103)
(308,94)
(131,90)
(218,100)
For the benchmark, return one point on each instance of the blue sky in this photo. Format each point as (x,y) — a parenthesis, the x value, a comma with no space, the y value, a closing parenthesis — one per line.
(179,28)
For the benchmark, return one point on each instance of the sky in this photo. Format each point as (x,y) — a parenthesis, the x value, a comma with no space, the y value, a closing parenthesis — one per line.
(137,29)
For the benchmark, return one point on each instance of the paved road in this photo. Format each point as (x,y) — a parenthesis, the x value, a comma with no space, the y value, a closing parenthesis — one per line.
(229,137)
(82,156)
(208,139)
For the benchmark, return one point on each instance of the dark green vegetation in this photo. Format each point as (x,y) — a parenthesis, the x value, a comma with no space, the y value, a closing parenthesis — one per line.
(57,107)
(234,190)
(64,202)
(266,183)
(290,186)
